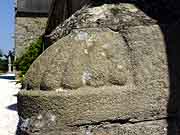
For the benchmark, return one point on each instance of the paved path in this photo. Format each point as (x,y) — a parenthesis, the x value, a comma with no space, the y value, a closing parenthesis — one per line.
(8,113)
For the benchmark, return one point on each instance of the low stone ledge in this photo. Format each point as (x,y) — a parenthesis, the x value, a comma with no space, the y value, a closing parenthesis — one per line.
(158,127)
(89,106)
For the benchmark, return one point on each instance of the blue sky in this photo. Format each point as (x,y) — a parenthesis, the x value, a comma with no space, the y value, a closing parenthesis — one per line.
(6,25)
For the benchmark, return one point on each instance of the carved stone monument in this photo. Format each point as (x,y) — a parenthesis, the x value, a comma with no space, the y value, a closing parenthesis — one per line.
(9,64)
(111,70)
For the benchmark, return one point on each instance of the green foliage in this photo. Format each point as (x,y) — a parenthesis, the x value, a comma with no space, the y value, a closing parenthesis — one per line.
(32,52)
(1,53)
(3,65)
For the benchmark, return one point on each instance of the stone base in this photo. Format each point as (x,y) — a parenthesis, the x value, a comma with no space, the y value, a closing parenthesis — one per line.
(97,111)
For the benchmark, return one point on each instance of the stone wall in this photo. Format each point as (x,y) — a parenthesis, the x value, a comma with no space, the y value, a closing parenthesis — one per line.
(28,29)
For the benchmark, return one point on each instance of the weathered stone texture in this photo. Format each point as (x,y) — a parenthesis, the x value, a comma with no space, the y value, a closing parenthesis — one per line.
(61,10)
(143,96)
(106,73)
(111,16)
(93,108)
(148,56)
(28,29)
(89,57)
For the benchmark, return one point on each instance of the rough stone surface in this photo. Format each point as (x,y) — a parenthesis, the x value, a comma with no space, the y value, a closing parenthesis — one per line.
(28,29)
(148,56)
(143,128)
(111,70)
(91,107)
(64,9)
(89,57)
(111,16)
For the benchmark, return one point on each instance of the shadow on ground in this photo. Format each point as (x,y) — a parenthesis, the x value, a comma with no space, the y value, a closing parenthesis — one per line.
(12,107)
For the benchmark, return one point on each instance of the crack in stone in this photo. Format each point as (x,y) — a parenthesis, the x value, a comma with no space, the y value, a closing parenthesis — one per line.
(130,53)
(118,121)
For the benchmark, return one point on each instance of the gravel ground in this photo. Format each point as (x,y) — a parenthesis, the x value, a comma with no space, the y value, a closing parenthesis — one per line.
(8,113)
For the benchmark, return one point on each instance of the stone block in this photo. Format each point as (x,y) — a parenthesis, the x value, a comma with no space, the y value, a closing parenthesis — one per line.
(67,111)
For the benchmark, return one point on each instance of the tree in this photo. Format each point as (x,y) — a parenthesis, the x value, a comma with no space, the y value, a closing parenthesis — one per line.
(11,53)
(23,63)
(3,62)
(1,53)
